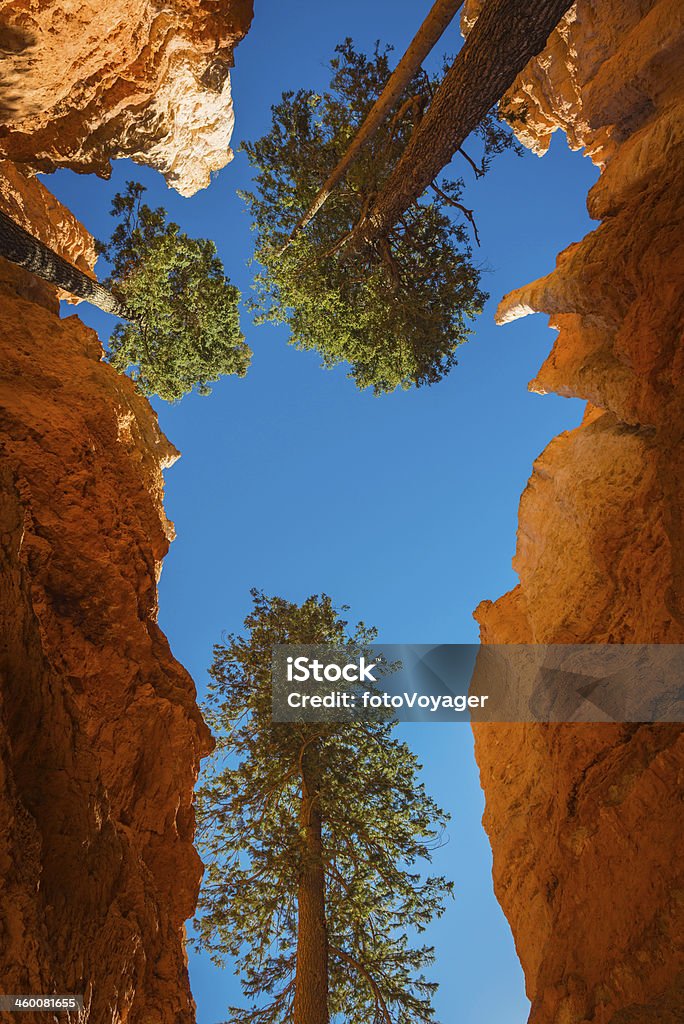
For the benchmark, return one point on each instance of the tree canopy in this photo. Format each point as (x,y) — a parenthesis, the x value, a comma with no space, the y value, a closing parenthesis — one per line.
(183,328)
(304,824)
(395,309)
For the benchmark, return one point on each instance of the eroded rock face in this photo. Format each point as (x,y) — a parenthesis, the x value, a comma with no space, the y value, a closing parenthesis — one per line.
(85,83)
(585,821)
(100,735)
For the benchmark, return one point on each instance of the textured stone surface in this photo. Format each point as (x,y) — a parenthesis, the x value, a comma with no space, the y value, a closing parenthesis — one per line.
(83,83)
(100,735)
(585,821)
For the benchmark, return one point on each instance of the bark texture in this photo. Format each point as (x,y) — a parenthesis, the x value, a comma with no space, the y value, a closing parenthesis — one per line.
(504,38)
(438,19)
(311,983)
(29,204)
(585,820)
(100,734)
(19,246)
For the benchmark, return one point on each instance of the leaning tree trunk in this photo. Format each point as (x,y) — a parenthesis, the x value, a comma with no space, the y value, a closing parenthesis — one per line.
(311,978)
(506,35)
(434,25)
(18,246)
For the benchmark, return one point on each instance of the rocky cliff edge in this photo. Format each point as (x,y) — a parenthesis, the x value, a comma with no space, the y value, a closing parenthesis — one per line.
(584,820)
(100,734)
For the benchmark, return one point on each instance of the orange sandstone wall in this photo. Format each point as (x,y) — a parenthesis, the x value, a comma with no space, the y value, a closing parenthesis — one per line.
(585,821)
(83,83)
(100,735)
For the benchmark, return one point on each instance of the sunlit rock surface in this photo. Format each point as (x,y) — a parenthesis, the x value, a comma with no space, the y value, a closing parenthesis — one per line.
(585,821)
(83,83)
(100,735)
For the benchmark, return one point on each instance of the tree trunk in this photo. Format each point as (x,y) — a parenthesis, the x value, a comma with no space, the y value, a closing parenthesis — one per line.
(311,979)
(18,246)
(506,35)
(437,20)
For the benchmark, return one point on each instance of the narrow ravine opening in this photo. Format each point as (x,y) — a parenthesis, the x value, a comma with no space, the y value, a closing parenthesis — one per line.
(403,507)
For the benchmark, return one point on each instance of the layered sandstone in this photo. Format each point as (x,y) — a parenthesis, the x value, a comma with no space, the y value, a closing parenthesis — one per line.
(585,821)
(82,84)
(100,735)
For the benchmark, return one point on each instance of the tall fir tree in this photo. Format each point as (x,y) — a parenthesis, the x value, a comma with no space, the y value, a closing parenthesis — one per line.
(312,835)
(395,309)
(182,327)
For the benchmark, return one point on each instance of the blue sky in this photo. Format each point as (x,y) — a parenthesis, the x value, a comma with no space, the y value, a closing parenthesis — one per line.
(404,507)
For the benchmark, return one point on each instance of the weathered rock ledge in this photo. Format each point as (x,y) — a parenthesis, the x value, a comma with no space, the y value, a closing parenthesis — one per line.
(585,820)
(85,83)
(100,735)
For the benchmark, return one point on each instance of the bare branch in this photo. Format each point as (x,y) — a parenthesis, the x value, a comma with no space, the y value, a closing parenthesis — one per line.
(468,214)
(479,171)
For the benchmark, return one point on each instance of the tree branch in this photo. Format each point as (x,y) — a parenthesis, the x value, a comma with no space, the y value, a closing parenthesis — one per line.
(415,102)
(479,171)
(468,214)
(437,20)
(369,978)
(506,35)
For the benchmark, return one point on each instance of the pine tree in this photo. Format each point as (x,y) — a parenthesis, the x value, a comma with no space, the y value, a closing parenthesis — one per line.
(506,35)
(432,28)
(180,324)
(182,329)
(17,245)
(312,834)
(396,309)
